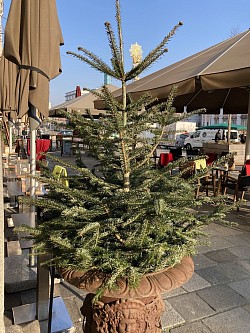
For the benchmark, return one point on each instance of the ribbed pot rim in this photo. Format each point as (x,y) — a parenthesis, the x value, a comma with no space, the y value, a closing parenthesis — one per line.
(151,284)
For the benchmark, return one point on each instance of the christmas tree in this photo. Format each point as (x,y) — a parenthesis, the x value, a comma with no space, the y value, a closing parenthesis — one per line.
(132,218)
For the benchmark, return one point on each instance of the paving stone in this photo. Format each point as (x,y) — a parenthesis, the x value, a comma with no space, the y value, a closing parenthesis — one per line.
(247,307)
(171,317)
(242,287)
(17,275)
(233,321)
(202,249)
(196,327)
(221,297)
(78,328)
(8,318)
(12,300)
(13,248)
(174,292)
(245,236)
(217,243)
(28,296)
(32,327)
(201,261)
(223,230)
(234,271)
(221,255)
(79,302)
(245,264)
(242,252)
(73,310)
(240,240)
(213,275)
(57,290)
(13,329)
(191,307)
(196,283)
(67,290)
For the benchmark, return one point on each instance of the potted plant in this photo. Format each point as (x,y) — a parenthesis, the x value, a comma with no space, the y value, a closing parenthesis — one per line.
(127,232)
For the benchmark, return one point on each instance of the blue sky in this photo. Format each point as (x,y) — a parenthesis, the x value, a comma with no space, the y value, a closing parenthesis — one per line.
(206,22)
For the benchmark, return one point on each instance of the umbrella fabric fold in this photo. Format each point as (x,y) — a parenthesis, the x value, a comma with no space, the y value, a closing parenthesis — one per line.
(8,81)
(32,37)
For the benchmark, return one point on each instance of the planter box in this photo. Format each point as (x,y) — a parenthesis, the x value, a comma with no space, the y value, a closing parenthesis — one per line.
(218,148)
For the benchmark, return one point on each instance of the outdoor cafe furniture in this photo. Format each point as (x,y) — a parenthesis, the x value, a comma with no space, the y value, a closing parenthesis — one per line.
(196,167)
(42,147)
(165,159)
(239,186)
(28,219)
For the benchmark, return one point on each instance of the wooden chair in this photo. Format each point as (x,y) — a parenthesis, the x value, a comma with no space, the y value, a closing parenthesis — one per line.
(211,157)
(206,180)
(246,168)
(192,168)
(60,174)
(238,185)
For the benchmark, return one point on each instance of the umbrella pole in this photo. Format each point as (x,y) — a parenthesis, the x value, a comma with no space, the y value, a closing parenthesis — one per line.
(10,137)
(42,289)
(32,166)
(247,147)
(229,128)
(32,258)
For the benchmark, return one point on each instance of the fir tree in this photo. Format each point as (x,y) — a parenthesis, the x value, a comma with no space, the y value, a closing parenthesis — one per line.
(134,218)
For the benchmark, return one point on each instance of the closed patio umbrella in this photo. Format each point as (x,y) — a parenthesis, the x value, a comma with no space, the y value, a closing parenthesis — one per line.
(217,77)
(8,105)
(78,91)
(32,39)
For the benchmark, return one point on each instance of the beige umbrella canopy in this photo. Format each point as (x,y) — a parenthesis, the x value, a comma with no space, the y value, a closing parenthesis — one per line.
(217,77)
(32,39)
(81,104)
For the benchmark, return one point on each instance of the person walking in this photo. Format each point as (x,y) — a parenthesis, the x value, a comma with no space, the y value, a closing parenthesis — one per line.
(217,136)
(243,137)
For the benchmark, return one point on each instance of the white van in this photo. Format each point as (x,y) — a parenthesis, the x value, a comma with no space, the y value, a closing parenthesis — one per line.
(208,135)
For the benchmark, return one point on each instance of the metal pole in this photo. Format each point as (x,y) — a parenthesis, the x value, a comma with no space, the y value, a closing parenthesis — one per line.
(42,271)
(32,164)
(51,297)
(42,289)
(10,137)
(247,147)
(229,128)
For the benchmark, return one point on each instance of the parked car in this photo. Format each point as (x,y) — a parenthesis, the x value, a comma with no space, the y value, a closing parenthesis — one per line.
(64,133)
(180,138)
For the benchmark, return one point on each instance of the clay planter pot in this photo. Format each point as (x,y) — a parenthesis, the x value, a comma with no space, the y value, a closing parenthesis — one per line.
(128,310)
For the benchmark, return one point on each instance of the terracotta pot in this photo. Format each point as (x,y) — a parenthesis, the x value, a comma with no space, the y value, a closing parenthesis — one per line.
(128,310)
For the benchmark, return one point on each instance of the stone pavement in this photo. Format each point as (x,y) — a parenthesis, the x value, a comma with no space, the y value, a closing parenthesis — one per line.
(215,300)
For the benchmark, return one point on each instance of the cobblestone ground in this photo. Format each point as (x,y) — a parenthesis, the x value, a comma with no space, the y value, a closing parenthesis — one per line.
(215,300)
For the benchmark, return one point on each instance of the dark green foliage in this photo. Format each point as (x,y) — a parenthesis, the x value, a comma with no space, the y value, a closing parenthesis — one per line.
(135,218)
